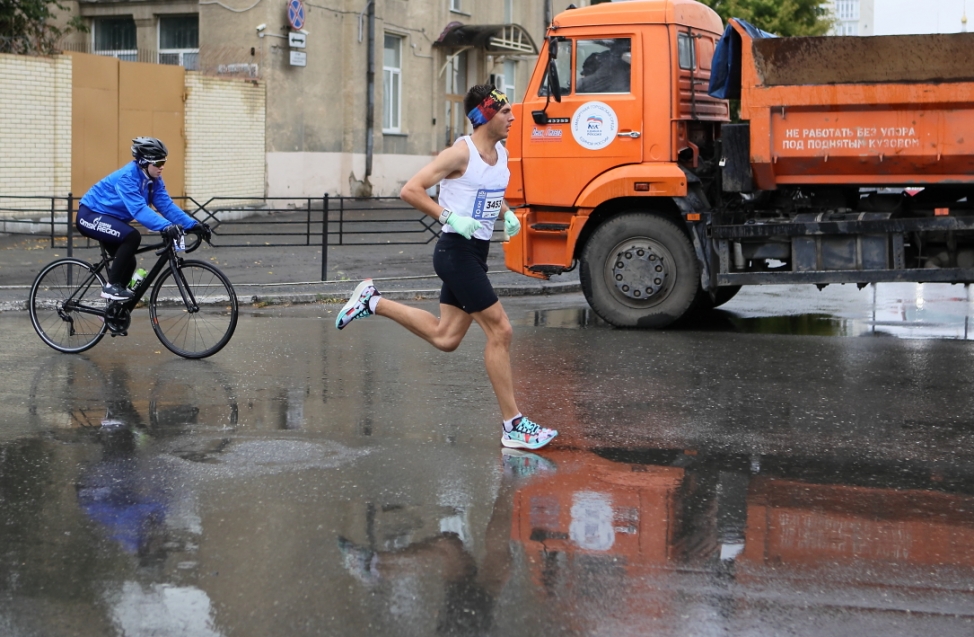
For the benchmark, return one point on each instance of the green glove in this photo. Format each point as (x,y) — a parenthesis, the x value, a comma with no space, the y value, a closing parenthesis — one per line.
(466,226)
(511,225)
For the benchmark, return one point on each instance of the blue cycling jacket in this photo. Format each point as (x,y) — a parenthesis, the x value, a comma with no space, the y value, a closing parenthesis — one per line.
(124,194)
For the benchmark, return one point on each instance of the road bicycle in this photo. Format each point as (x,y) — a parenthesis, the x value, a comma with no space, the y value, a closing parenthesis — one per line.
(192,307)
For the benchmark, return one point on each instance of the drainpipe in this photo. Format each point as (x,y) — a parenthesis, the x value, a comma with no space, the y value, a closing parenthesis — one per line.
(370,91)
(547,14)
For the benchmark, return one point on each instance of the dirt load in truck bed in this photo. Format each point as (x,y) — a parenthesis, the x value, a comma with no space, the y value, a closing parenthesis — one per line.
(854,60)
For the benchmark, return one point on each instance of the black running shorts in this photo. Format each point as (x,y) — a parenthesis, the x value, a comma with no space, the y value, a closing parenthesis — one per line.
(462,265)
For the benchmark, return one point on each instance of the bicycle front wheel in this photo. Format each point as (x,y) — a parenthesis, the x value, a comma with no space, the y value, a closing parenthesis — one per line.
(66,307)
(197,320)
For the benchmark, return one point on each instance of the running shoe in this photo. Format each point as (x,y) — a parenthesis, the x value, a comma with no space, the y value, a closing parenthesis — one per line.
(115,292)
(525,464)
(527,435)
(358,304)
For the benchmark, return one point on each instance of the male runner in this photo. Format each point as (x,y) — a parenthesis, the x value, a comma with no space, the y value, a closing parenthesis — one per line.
(473,176)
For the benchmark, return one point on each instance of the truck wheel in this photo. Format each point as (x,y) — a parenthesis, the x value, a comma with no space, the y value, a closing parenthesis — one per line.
(639,270)
(724,294)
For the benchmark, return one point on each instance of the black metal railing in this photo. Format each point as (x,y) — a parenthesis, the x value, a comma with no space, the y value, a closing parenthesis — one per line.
(249,221)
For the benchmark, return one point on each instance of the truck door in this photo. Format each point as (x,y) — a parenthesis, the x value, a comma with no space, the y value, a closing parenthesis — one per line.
(596,126)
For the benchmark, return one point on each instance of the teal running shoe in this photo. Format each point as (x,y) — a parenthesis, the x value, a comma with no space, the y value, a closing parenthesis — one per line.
(527,435)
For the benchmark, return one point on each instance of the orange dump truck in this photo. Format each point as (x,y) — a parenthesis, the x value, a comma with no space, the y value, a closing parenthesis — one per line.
(852,162)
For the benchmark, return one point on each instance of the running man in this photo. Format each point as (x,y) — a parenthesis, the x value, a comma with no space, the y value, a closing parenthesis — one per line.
(473,176)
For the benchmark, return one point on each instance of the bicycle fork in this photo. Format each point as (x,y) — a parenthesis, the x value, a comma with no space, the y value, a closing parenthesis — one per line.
(177,274)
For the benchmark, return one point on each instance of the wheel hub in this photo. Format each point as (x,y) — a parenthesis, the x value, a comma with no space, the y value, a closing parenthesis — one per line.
(639,272)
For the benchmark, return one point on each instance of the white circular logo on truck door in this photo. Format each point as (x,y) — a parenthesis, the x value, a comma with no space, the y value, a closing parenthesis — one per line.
(594,125)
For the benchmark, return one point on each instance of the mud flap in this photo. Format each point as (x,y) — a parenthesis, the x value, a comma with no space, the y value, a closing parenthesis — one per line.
(696,202)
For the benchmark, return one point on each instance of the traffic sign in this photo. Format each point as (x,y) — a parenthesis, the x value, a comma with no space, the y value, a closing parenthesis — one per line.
(295,14)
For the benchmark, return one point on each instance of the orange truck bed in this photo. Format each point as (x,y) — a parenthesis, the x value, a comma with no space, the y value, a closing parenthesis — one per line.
(889,110)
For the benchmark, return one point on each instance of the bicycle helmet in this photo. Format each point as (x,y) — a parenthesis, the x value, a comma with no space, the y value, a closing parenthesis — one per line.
(146,149)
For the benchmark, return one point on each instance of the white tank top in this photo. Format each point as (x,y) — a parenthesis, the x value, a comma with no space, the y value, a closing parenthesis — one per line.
(479,191)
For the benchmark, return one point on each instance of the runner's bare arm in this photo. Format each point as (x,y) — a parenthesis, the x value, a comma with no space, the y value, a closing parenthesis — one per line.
(449,164)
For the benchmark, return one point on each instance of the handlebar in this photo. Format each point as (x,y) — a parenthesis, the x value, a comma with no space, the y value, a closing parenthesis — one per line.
(160,248)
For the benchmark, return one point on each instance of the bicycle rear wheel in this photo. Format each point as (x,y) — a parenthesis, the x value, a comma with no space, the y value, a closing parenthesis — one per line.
(194,333)
(66,307)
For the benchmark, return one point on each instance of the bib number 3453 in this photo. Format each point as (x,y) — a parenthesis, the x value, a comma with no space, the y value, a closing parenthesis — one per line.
(488,204)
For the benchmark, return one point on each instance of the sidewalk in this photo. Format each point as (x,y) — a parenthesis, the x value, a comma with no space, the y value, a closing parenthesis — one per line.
(275,275)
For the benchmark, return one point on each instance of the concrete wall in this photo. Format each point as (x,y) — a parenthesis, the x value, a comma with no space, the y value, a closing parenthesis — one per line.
(35,125)
(225,141)
(309,174)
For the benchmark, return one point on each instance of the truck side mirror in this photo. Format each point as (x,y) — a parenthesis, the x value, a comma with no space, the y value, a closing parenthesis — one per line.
(554,85)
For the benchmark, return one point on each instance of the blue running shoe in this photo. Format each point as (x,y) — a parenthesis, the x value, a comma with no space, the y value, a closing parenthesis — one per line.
(527,435)
(358,304)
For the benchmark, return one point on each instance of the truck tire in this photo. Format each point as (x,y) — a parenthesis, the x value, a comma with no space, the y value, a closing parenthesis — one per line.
(724,294)
(639,270)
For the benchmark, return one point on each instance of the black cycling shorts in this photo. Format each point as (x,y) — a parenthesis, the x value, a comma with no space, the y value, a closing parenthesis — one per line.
(462,265)
(105,228)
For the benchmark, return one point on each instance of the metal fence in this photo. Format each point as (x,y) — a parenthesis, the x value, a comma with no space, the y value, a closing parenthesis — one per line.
(248,221)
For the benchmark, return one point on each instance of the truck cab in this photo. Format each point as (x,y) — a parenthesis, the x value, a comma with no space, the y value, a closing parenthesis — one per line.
(852,162)
(632,115)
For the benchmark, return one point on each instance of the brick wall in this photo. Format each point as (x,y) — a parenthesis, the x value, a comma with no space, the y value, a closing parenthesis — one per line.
(224,124)
(35,125)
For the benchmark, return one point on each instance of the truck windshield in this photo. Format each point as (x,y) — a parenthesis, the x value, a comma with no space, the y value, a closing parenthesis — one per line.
(604,66)
(564,66)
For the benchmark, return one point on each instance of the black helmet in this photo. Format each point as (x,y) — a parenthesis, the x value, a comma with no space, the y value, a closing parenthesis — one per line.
(149,149)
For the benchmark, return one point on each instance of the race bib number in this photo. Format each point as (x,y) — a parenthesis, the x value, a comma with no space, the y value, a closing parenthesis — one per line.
(487,207)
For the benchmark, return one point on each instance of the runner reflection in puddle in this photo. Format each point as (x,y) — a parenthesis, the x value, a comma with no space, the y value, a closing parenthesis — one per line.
(470,590)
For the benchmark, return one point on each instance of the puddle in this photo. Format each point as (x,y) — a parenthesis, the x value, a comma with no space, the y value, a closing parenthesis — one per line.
(901,310)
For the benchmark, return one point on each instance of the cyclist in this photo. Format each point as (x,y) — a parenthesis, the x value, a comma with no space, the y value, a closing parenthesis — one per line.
(106,210)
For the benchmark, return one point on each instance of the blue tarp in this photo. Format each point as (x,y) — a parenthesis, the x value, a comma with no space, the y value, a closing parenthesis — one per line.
(725,73)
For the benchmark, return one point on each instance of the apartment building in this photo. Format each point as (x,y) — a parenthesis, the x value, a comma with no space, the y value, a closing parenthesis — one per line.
(360,93)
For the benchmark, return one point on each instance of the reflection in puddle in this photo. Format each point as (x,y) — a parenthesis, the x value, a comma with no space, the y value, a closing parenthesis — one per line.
(908,319)
(160,609)
(771,530)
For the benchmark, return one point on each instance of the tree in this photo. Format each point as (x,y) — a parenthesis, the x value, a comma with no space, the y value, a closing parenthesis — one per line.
(781,17)
(26,26)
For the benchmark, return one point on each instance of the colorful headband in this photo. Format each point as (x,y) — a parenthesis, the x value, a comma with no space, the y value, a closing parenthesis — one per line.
(486,110)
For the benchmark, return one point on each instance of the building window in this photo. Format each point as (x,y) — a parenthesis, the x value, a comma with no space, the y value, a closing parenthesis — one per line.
(456,87)
(115,37)
(179,41)
(508,11)
(847,9)
(455,5)
(456,74)
(392,83)
(509,79)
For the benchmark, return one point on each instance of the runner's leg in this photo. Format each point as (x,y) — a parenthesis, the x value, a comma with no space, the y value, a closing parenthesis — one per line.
(443,333)
(497,356)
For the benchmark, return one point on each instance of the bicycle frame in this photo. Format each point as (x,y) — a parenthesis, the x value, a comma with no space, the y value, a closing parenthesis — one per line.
(168,257)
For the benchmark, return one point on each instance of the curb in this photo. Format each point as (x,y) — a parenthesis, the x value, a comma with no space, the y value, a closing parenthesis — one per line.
(408,295)
(341,297)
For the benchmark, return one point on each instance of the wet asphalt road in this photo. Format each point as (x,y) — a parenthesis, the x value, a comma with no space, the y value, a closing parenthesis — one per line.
(800,463)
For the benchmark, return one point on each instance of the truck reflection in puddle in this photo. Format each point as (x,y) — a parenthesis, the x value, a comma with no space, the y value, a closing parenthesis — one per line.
(668,537)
